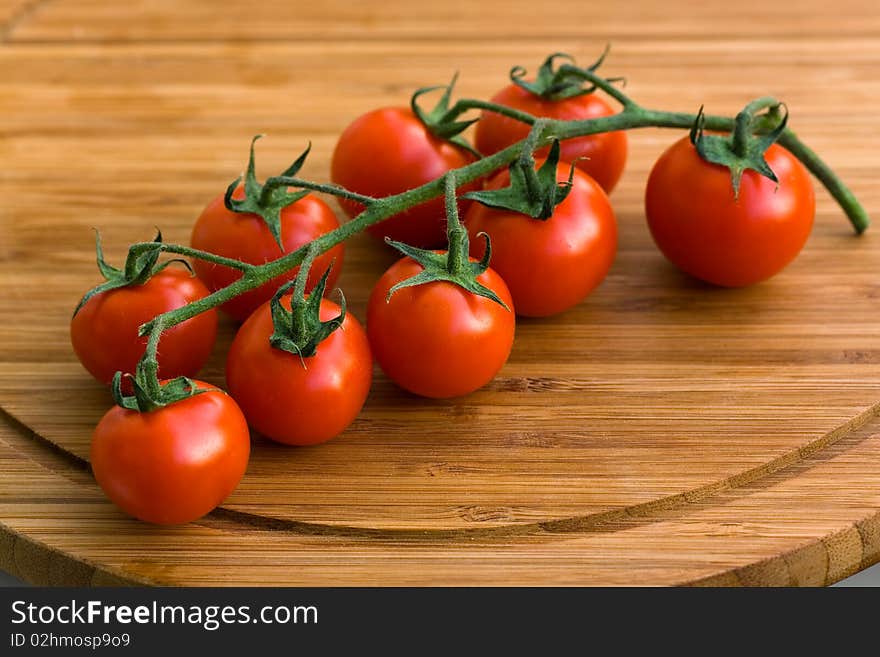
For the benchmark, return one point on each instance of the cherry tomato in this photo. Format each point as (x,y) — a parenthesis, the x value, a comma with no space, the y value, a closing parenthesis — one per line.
(700,226)
(300,401)
(104,332)
(246,237)
(437,339)
(174,464)
(549,265)
(605,152)
(388,151)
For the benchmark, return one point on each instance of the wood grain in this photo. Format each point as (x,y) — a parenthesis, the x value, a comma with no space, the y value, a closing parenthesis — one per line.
(663,432)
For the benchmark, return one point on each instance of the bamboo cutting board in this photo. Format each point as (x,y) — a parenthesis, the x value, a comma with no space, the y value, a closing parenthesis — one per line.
(663,432)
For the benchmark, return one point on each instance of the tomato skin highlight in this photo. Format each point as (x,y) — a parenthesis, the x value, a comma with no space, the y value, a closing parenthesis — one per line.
(245,237)
(438,340)
(104,333)
(549,265)
(288,402)
(175,464)
(388,151)
(606,152)
(702,229)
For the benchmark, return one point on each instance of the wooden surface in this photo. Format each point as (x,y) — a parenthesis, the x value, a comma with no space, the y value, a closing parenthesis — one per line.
(663,432)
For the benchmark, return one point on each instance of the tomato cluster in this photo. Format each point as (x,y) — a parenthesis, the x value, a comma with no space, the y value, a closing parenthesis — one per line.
(440,323)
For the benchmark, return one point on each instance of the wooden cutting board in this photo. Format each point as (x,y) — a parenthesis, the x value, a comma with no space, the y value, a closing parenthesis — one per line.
(663,432)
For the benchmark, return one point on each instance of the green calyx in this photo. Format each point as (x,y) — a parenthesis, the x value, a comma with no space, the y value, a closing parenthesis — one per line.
(744,147)
(441,121)
(139,268)
(149,393)
(558,83)
(300,330)
(532,193)
(147,397)
(269,199)
(454,265)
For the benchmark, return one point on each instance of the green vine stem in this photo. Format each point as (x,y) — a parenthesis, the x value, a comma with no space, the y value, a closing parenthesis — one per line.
(334,190)
(178,249)
(466,104)
(526,157)
(743,128)
(630,117)
(459,253)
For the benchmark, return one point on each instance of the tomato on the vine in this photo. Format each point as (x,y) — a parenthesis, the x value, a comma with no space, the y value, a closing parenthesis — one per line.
(389,151)
(438,339)
(104,331)
(173,464)
(300,400)
(550,264)
(246,237)
(703,228)
(602,156)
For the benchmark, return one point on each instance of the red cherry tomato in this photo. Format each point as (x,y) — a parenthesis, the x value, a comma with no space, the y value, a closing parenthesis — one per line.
(549,265)
(605,152)
(702,229)
(246,237)
(174,464)
(294,401)
(437,339)
(104,332)
(388,151)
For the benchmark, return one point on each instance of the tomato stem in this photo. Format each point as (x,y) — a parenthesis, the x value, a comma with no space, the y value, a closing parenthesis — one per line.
(453,265)
(526,160)
(150,360)
(141,264)
(599,82)
(556,84)
(466,104)
(744,129)
(745,148)
(742,132)
(179,249)
(855,212)
(456,234)
(632,116)
(532,193)
(267,200)
(300,330)
(149,393)
(441,120)
(333,190)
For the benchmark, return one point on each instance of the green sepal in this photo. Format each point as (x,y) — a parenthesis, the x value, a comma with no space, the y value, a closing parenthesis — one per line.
(137,271)
(441,120)
(532,193)
(558,83)
(453,265)
(151,396)
(441,267)
(300,330)
(740,152)
(267,200)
